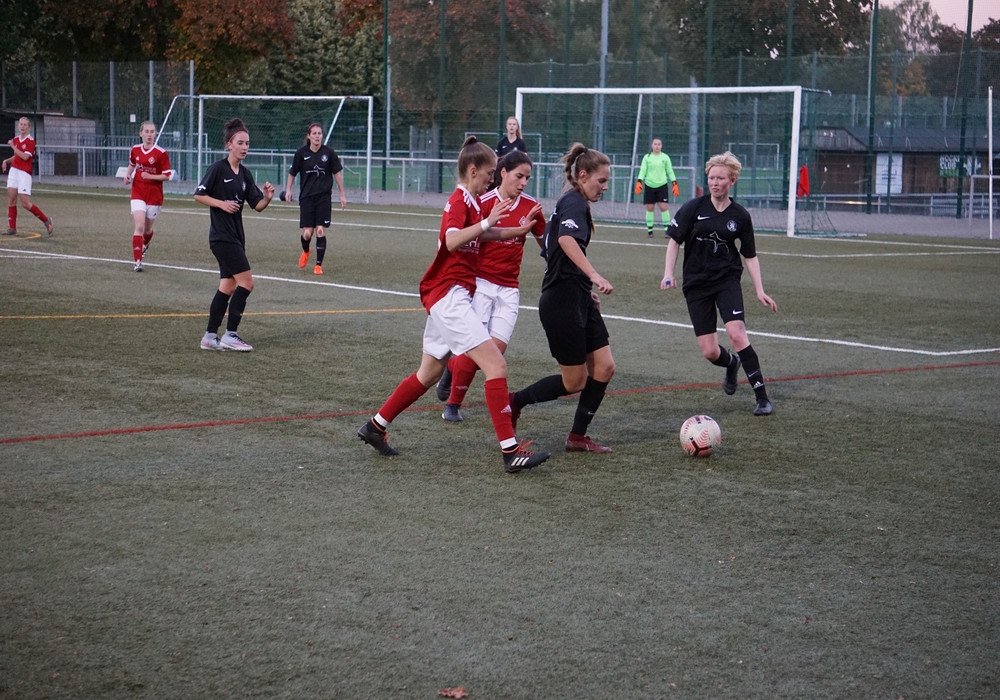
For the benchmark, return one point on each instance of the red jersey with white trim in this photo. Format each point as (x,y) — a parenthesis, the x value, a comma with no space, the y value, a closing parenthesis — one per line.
(155,161)
(451,267)
(27,144)
(500,261)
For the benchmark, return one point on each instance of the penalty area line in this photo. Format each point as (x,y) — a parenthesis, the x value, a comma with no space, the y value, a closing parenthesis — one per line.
(414,409)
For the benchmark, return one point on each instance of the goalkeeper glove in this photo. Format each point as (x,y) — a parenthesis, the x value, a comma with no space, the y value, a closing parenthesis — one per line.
(638,186)
(677,190)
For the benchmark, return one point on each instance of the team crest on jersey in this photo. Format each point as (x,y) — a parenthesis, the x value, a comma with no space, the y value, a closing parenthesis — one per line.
(324,159)
(731,226)
(152,160)
(570,224)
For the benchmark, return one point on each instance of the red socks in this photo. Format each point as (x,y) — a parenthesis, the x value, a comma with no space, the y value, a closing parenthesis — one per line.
(496,401)
(136,248)
(405,394)
(12,218)
(463,370)
(38,213)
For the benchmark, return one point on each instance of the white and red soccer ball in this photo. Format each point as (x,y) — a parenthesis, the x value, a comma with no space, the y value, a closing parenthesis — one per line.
(700,436)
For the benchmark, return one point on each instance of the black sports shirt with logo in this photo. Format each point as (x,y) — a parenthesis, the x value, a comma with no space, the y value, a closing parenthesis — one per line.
(222,183)
(317,168)
(709,239)
(570,218)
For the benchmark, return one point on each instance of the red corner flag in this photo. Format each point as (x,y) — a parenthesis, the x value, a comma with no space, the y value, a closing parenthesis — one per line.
(803,188)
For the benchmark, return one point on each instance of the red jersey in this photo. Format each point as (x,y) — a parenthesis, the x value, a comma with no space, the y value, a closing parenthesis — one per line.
(27,144)
(500,261)
(155,161)
(451,267)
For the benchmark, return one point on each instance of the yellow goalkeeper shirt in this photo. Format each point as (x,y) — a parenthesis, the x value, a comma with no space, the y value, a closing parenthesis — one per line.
(656,170)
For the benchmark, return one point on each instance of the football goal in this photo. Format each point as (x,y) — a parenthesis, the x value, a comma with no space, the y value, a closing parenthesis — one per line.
(192,133)
(761,125)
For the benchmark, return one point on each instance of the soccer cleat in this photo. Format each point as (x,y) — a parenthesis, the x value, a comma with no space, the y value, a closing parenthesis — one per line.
(583,443)
(763,408)
(649,233)
(145,247)
(515,411)
(48,226)
(231,341)
(444,385)
(211,342)
(729,383)
(138,266)
(377,438)
(521,458)
(10,232)
(451,413)
(318,270)
(304,258)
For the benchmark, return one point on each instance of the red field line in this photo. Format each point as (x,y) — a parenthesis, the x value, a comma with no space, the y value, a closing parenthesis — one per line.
(346,414)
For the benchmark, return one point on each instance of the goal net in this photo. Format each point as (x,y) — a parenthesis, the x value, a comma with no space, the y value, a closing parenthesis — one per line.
(192,134)
(760,125)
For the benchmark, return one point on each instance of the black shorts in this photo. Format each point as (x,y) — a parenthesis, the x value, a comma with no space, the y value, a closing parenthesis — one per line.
(315,211)
(655,195)
(725,295)
(572,322)
(232,259)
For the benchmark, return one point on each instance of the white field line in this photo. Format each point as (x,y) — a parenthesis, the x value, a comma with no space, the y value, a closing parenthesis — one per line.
(629,319)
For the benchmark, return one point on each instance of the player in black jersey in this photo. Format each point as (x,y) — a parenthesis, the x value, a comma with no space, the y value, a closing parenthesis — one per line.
(709,228)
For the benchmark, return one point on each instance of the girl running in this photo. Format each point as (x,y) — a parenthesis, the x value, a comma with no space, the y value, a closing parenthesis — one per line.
(569,309)
(225,187)
(148,169)
(452,325)
(19,179)
(320,167)
(497,295)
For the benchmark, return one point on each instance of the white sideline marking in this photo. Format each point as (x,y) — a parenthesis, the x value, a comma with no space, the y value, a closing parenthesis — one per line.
(632,319)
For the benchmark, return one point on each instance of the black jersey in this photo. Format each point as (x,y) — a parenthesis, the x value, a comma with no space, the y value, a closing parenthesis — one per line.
(222,183)
(571,217)
(505,146)
(709,239)
(317,168)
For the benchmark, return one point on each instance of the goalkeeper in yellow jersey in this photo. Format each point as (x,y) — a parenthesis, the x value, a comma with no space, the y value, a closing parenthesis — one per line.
(656,177)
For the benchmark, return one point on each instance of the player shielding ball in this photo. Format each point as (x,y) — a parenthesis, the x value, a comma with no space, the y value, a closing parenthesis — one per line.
(319,166)
(709,228)
(452,324)
(148,169)
(497,296)
(19,178)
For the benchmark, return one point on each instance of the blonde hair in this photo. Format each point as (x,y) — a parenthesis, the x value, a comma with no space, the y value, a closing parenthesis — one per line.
(728,161)
(516,122)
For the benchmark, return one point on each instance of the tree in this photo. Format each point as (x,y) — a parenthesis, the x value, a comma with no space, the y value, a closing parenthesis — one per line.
(113,30)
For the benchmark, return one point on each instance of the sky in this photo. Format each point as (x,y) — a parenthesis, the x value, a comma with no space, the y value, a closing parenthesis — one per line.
(955,12)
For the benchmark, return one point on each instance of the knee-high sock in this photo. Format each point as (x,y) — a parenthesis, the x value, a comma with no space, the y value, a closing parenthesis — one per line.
(236,306)
(751,365)
(463,370)
(320,249)
(217,310)
(12,217)
(496,401)
(590,400)
(649,221)
(305,244)
(38,213)
(147,236)
(136,247)
(545,389)
(403,396)
(724,359)
(665,218)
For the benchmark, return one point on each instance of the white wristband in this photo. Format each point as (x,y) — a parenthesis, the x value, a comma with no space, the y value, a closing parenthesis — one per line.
(485,223)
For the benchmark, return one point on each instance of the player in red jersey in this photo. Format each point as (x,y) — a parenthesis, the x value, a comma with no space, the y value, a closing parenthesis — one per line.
(19,179)
(452,325)
(148,169)
(497,295)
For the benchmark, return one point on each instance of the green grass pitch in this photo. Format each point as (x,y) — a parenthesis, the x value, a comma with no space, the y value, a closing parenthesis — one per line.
(186,524)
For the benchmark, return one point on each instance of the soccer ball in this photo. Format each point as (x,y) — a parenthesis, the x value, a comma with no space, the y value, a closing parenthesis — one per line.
(700,435)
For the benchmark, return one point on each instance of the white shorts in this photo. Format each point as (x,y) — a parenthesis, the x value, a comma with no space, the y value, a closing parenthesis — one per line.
(152,210)
(496,307)
(19,180)
(453,326)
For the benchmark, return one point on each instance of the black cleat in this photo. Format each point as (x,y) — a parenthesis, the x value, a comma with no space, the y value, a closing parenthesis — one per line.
(376,437)
(763,408)
(732,371)
(520,458)
(451,413)
(444,385)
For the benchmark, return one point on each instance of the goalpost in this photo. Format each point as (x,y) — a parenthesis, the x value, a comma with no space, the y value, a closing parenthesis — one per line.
(192,133)
(763,123)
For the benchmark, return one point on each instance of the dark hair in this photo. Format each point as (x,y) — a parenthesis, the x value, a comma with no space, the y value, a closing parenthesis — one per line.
(581,159)
(474,153)
(508,163)
(310,128)
(231,128)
